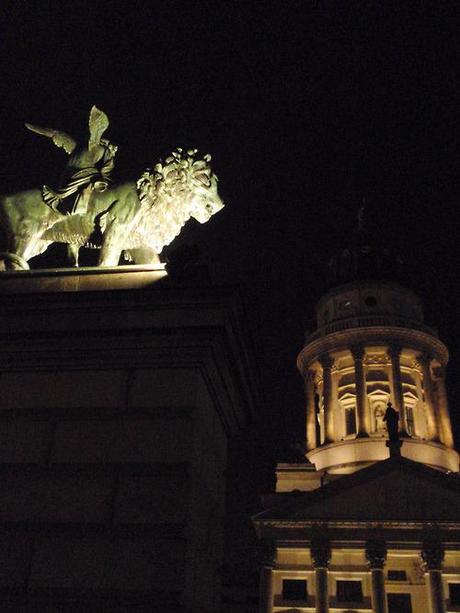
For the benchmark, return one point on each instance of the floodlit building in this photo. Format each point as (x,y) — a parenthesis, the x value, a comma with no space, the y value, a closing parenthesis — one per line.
(365,524)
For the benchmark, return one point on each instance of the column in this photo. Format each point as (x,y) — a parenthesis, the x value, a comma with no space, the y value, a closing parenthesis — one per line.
(398,398)
(420,421)
(432,434)
(376,554)
(321,555)
(266,594)
(443,407)
(311,409)
(433,556)
(326,362)
(361,393)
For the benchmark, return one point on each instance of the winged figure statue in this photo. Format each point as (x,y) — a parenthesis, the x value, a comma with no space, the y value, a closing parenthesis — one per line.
(89,166)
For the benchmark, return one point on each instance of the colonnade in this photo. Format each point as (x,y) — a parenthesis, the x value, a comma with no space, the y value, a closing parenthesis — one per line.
(432,555)
(438,428)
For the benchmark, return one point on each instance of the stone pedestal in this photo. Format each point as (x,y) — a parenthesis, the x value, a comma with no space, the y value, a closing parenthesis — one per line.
(116,406)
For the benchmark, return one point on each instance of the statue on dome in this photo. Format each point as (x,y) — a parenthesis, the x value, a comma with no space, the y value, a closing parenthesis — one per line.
(392,420)
(135,219)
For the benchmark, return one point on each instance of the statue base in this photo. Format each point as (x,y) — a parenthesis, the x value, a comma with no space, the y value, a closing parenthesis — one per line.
(395,448)
(86,279)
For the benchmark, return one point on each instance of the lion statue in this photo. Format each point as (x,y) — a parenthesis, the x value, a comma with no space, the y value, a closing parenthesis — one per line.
(137,219)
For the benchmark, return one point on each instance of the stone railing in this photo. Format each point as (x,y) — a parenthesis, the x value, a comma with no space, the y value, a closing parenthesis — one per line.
(364,321)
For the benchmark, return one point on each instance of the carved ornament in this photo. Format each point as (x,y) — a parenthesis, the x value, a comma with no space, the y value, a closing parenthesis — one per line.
(432,549)
(377,358)
(376,553)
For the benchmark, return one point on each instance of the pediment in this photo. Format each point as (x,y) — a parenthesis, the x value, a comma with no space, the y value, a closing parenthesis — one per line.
(388,490)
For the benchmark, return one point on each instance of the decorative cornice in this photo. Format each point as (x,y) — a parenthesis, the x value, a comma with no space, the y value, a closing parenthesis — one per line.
(364,524)
(372,335)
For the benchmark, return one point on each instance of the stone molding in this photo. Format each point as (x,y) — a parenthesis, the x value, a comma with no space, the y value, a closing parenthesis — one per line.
(375,335)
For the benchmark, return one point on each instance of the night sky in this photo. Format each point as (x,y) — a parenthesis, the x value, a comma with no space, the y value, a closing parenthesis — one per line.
(306,108)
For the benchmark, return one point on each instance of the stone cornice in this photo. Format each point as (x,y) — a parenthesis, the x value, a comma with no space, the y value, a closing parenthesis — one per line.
(372,335)
(201,328)
(363,524)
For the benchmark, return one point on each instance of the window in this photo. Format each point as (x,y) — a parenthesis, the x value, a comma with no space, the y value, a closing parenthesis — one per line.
(399,603)
(349,591)
(295,589)
(397,575)
(454,593)
(409,419)
(350,420)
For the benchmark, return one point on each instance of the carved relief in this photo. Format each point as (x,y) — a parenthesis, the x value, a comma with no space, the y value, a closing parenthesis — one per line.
(377,358)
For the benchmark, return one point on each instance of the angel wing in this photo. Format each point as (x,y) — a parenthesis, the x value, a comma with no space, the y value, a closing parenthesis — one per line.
(98,124)
(60,139)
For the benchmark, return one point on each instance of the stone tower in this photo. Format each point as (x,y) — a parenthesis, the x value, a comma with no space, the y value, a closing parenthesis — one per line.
(372,347)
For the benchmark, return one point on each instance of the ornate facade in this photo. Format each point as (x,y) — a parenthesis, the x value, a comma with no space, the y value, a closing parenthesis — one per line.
(363,524)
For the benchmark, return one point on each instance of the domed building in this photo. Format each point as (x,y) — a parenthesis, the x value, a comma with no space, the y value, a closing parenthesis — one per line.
(367,523)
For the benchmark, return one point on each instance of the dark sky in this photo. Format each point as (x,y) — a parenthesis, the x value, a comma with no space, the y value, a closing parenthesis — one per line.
(306,107)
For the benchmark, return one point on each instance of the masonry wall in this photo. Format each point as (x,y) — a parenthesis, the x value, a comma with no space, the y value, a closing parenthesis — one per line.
(112,484)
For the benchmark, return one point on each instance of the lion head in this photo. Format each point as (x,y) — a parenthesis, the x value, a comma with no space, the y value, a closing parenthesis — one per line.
(181,187)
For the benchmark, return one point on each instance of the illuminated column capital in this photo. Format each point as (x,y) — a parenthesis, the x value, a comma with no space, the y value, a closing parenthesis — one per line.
(358,353)
(376,555)
(394,351)
(326,361)
(433,556)
(321,555)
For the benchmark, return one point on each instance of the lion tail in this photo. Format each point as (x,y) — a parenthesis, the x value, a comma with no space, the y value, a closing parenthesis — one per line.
(12,261)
